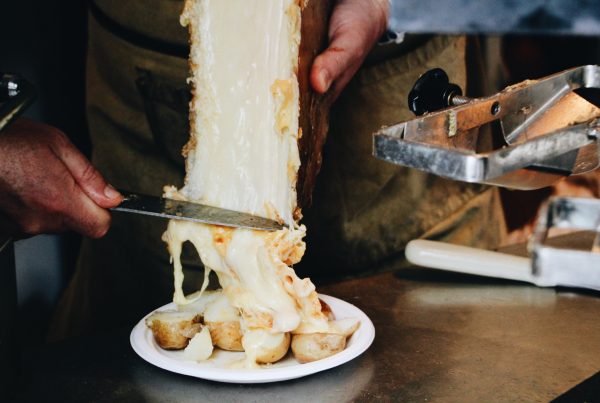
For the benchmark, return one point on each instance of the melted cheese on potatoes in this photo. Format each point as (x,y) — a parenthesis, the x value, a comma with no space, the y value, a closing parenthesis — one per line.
(243,155)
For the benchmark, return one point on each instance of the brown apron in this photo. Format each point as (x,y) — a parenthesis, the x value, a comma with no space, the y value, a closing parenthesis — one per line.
(364,210)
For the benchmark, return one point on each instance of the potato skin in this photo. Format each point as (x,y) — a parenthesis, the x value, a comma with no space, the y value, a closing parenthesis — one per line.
(267,356)
(316,346)
(171,335)
(226,335)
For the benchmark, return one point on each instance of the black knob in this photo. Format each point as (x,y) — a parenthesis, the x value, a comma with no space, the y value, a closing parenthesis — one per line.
(432,91)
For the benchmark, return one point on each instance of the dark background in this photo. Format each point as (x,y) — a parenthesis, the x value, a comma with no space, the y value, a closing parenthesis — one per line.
(45,41)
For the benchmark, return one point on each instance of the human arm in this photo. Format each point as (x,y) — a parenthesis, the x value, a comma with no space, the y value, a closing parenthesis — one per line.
(354,28)
(47,185)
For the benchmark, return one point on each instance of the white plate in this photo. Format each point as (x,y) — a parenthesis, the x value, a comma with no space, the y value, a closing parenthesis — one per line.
(216,368)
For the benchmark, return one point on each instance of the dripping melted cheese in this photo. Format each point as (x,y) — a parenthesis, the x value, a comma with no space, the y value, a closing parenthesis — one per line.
(243,155)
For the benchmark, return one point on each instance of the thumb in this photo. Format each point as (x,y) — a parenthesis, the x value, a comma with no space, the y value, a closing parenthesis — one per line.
(87,177)
(354,28)
(338,63)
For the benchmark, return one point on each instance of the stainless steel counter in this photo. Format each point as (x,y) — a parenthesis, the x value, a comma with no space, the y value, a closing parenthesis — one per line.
(440,337)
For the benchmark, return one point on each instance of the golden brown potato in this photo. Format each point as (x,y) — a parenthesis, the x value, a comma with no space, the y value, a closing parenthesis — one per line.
(173,330)
(316,346)
(310,347)
(226,335)
(275,350)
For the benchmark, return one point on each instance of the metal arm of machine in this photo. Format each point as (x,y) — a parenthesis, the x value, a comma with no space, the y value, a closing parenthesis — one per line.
(544,135)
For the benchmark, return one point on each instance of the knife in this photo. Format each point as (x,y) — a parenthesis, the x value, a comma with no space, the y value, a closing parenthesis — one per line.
(183,210)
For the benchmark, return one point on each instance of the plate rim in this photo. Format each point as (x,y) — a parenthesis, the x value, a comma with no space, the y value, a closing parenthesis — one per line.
(148,353)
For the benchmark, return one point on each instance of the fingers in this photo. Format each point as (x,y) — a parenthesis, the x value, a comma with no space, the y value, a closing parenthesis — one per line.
(88,194)
(345,50)
(46,185)
(57,203)
(86,217)
(338,63)
(354,28)
(79,214)
(86,176)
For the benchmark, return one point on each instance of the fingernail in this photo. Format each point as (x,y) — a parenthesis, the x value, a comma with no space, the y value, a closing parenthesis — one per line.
(325,79)
(111,192)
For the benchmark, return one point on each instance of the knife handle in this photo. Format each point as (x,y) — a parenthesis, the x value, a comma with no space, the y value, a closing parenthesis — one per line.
(463,259)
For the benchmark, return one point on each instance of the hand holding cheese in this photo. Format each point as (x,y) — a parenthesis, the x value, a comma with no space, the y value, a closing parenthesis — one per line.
(47,185)
(355,27)
(243,154)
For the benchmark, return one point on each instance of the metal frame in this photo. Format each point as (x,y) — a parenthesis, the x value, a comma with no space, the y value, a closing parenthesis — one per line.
(569,267)
(444,143)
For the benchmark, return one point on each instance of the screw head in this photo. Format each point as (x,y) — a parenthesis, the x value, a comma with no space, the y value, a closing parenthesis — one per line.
(432,92)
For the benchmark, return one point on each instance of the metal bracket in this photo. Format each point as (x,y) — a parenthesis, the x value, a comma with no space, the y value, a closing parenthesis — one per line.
(444,143)
(554,265)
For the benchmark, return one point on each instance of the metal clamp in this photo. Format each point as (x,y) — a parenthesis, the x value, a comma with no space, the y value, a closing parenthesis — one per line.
(445,143)
(560,265)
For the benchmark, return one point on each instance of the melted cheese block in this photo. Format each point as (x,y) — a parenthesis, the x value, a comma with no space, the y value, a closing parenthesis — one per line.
(243,155)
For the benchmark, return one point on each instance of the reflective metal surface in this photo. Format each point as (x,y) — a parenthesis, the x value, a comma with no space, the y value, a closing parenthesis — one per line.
(554,263)
(183,210)
(537,151)
(439,337)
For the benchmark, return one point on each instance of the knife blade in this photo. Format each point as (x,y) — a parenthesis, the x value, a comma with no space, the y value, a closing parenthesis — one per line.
(184,210)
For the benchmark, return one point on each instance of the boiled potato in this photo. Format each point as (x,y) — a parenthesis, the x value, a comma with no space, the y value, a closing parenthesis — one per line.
(226,335)
(223,320)
(310,347)
(264,347)
(200,303)
(172,330)
(275,350)
(200,347)
(316,346)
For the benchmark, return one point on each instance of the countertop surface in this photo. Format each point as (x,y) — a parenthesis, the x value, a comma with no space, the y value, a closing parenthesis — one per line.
(439,337)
